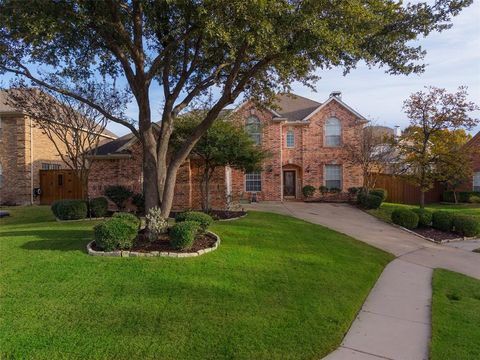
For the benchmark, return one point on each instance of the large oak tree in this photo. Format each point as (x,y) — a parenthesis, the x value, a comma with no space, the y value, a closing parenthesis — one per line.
(187,48)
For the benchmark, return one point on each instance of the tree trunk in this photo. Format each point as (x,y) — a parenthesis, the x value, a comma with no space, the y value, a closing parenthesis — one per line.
(150,184)
(168,190)
(207,192)
(455,197)
(422,199)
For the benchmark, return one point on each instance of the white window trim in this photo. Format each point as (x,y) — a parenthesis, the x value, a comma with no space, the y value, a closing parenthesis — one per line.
(325,133)
(325,174)
(245,182)
(292,132)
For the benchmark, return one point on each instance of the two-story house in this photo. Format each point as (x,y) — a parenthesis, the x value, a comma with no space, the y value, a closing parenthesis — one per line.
(24,150)
(305,140)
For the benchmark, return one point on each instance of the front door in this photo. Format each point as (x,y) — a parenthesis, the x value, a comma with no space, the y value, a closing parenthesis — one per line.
(289,183)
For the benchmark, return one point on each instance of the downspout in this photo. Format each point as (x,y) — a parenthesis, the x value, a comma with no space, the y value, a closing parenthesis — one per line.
(31,162)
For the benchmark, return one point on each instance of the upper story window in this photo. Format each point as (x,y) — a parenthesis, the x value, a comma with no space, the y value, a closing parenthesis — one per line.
(476,181)
(333,176)
(333,132)
(253,128)
(290,139)
(253,182)
(47,166)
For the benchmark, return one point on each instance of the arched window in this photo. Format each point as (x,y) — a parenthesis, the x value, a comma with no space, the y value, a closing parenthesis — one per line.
(333,132)
(254,129)
(290,139)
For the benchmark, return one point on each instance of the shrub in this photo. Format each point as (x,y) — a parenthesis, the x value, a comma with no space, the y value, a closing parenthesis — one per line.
(442,220)
(182,234)
(462,196)
(424,217)
(156,224)
(69,209)
(323,189)
(335,190)
(114,234)
(406,218)
(466,225)
(308,191)
(99,207)
(379,192)
(118,194)
(139,201)
(204,220)
(354,190)
(130,219)
(474,199)
(369,201)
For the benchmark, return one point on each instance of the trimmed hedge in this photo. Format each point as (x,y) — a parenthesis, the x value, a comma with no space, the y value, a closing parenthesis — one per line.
(308,191)
(119,195)
(369,201)
(379,192)
(424,217)
(442,220)
(99,207)
(114,234)
(70,209)
(204,220)
(406,218)
(182,234)
(128,218)
(466,225)
(462,196)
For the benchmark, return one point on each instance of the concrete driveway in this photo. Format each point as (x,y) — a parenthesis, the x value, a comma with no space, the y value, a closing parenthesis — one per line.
(349,220)
(395,321)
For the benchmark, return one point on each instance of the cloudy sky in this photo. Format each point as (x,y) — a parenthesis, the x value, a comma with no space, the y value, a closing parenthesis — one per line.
(453,59)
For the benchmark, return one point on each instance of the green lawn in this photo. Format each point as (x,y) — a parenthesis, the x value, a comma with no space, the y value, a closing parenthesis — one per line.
(385,211)
(277,288)
(455,317)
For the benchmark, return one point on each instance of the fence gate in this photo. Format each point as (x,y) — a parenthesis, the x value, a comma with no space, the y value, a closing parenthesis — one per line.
(58,185)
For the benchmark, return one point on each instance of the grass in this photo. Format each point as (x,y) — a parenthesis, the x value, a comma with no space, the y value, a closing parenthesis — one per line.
(385,211)
(455,317)
(277,288)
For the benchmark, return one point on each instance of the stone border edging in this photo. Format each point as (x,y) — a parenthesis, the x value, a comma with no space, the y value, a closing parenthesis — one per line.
(128,253)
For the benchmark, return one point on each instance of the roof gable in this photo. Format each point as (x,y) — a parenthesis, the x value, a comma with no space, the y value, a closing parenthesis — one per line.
(339,101)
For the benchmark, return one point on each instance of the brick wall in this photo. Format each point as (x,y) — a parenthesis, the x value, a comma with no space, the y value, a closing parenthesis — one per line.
(473,148)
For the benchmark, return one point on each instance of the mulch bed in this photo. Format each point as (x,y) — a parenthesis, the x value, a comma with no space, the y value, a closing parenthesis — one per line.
(143,244)
(436,235)
(219,214)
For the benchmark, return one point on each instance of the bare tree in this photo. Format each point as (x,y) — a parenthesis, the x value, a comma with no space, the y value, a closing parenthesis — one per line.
(373,155)
(74,128)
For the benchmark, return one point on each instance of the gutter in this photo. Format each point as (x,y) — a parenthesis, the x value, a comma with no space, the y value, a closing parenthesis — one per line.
(109,156)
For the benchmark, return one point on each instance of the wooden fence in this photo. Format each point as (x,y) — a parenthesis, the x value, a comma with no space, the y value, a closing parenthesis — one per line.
(58,185)
(402,192)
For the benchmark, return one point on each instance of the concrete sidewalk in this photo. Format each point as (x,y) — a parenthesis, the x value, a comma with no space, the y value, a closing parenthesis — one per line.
(394,322)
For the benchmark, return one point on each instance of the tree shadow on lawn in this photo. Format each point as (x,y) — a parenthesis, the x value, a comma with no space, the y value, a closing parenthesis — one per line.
(59,240)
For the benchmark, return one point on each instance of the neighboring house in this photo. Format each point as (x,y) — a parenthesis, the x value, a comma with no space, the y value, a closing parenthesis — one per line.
(473,148)
(304,138)
(24,151)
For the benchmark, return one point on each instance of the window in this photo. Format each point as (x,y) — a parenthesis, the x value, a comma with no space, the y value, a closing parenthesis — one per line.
(476,181)
(253,129)
(333,176)
(47,166)
(333,131)
(253,182)
(1,176)
(290,139)
(0,129)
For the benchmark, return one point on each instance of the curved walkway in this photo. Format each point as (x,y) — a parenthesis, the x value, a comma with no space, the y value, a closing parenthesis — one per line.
(394,322)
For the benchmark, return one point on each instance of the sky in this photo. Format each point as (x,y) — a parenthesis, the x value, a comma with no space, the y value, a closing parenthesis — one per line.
(453,59)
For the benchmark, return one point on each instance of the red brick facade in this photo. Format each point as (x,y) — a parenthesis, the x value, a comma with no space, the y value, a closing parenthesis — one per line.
(473,148)
(307,158)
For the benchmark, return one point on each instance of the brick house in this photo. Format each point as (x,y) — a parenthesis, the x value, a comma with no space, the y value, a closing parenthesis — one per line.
(473,148)
(305,140)
(24,151)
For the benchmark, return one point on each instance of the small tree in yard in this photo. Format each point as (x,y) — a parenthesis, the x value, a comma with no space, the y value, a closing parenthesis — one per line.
(373,155)
(74,128)
(456,168)
(187,48)
(429,144)
(225,144)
